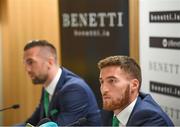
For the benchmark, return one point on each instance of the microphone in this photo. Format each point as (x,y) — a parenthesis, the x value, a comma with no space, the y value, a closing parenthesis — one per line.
(29,125)
(79,122)
(15,106)
(46,122)
(42,121)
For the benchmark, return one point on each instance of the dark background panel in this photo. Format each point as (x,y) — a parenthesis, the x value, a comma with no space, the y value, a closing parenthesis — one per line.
(81,53)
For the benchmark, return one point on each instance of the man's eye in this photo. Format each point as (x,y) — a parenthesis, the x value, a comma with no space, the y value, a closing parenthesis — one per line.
(29,62)
(112,81)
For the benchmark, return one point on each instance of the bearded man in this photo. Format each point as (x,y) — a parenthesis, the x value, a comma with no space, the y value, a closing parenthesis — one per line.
(123,103)
(66,98)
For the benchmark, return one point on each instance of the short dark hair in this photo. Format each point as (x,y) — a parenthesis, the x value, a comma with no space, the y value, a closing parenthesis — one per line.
(126,63)
(41,43)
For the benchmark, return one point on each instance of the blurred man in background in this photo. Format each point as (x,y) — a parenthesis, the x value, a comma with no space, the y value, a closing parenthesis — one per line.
(66,97)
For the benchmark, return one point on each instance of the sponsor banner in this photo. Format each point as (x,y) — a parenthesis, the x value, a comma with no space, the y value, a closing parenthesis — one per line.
(164,42)
(160,53)
(164,88)
(165,16)
(90,31)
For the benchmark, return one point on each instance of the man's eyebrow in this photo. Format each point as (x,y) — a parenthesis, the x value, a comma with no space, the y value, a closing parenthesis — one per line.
(29,59)
(109,77)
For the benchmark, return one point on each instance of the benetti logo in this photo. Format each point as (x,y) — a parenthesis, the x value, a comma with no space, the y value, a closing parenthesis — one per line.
(165,42)
(92,19)
(164,67)
(92,24)
(165,16)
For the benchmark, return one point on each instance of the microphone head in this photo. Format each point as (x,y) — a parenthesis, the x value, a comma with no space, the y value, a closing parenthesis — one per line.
(49,124)
(42,121)
(16,106)
(29,125)
(46,122)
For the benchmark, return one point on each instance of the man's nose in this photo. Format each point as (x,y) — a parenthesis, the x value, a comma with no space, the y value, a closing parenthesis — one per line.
(104,88)
(27,68)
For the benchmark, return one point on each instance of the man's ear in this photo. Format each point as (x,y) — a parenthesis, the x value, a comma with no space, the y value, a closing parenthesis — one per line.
(50,61)
(134,84)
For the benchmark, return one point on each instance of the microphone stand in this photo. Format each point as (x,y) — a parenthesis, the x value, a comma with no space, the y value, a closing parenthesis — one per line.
(16,106)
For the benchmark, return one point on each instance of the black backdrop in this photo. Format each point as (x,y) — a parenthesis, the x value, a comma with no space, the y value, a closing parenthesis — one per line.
(83,44)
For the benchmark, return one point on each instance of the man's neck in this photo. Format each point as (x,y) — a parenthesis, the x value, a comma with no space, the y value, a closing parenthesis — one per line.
(117,111)
(52,73)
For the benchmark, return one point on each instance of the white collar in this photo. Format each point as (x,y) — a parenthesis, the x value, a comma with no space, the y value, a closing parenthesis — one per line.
(124,115)
(51,87)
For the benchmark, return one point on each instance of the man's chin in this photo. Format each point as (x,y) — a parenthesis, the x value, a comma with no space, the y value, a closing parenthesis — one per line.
(35,82)
(107,106)
(110,106)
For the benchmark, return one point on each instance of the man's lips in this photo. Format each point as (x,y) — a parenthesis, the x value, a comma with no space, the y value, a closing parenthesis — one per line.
(106,97)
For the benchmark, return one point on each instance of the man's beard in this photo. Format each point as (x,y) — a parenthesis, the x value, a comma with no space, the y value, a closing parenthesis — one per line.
(39,80)
(119,103)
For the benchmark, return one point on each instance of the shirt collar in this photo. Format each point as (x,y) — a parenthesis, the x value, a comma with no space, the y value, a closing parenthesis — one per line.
(124,115)
(51,87)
